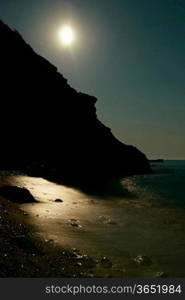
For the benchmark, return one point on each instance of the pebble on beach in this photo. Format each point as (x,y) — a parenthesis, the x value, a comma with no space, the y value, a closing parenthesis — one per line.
(58,200)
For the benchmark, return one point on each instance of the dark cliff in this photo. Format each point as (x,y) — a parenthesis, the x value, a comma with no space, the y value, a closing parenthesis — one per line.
(49,128)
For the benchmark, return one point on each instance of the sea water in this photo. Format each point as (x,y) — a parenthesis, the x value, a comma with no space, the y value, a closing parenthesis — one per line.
(137,217)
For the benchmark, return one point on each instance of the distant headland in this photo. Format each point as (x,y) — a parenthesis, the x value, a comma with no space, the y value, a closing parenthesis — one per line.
(159,160)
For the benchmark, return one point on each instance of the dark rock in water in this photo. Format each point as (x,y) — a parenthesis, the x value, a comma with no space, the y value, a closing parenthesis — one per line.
(143,260)
(59,200)
(63,139)
(17,194)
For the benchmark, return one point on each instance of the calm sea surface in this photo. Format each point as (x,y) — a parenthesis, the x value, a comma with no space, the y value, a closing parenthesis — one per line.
(138,216)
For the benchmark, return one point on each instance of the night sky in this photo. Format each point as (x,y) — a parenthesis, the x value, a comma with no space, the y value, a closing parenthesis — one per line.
(130,54)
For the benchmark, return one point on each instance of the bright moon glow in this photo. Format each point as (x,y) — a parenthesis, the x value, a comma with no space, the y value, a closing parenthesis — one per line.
(66,35)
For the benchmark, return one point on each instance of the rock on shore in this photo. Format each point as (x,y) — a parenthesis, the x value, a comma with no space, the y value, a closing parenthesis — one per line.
(17,194)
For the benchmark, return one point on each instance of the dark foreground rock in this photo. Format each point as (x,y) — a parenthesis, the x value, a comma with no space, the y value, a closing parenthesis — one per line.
(53,130)
(17,194)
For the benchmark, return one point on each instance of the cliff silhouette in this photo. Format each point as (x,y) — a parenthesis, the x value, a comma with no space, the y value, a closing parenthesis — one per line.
(48,128)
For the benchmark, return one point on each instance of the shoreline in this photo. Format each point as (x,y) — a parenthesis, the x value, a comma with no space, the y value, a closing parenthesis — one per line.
(24,254)
(40,239)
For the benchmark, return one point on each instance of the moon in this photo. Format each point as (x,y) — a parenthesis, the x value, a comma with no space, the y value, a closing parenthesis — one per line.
(66,35)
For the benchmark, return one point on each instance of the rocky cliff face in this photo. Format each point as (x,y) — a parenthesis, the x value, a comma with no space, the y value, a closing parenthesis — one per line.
(49,128)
